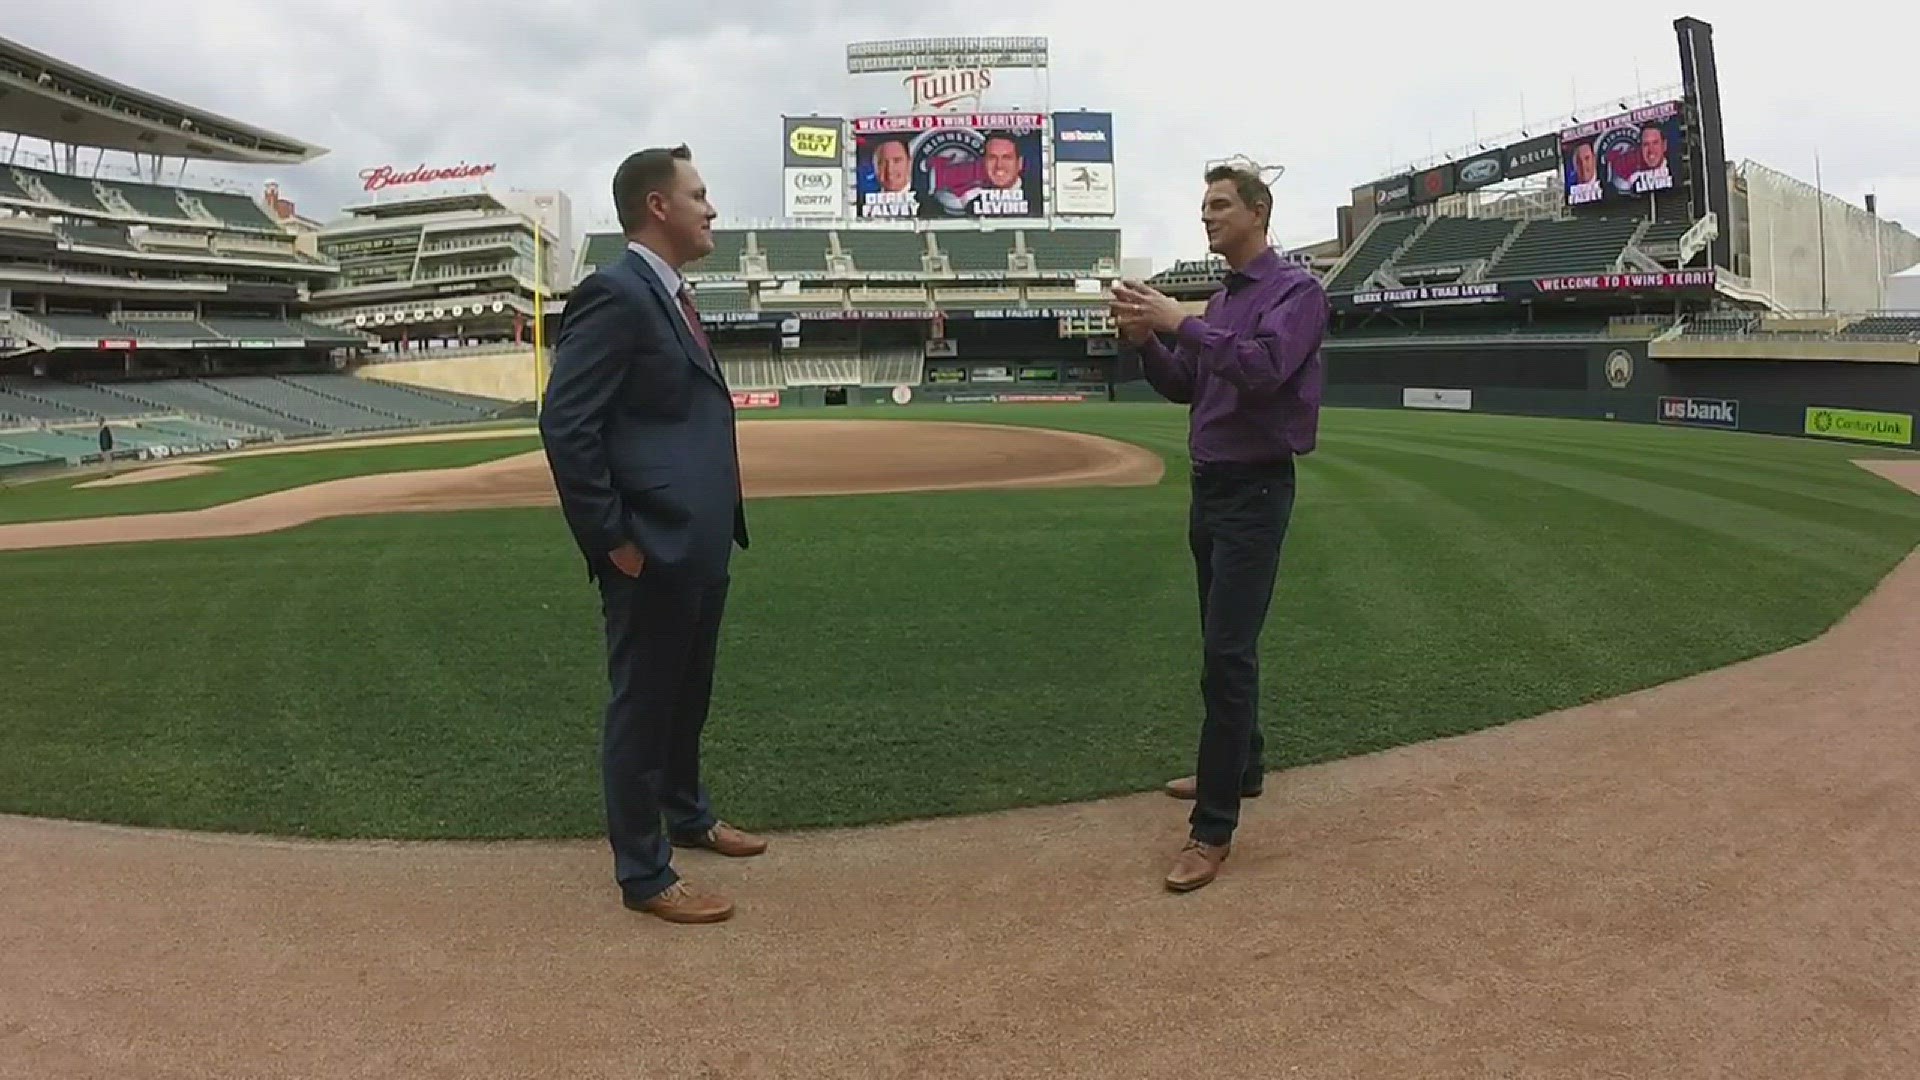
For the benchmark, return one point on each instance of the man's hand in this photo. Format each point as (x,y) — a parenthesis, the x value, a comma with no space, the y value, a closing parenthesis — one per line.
(1133,330)
(1135,302)
(627,559)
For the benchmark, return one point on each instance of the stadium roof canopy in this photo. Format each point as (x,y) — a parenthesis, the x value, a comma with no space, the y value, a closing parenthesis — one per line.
(50,99)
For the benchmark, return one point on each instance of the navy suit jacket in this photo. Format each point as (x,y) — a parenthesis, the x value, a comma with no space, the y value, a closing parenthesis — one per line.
(638,426)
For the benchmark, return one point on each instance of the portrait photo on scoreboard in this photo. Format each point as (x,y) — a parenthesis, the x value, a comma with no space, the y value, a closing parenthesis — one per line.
(1630,156)
(949,166)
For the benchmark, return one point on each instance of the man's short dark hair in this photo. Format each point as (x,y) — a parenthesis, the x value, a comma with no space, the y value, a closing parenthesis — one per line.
(641,175)
(1247,184)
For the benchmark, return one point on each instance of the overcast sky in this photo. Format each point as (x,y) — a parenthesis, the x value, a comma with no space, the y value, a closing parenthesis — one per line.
(557,92)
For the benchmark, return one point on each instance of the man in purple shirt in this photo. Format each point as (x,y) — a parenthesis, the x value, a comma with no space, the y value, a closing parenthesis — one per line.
(1251,372)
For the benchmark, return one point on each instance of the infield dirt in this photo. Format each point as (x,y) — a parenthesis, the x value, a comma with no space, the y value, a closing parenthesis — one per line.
(779,458)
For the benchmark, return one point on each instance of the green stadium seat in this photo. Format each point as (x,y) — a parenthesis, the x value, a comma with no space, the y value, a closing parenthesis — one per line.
(1381,242)
(969,250)
(1580,245)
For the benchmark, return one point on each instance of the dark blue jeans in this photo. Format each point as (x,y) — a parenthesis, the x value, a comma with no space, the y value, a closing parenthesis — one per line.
(662,636)
(1237,522)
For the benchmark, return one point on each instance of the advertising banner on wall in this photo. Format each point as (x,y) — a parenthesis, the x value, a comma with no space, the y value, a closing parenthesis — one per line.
(1536,155)
(1699,412)
(1393,194)
(1083,163)
(1423,397)
(1895,429)
(1496,291)
(1477,172)
(813,177)
(949,165)
(1433,184)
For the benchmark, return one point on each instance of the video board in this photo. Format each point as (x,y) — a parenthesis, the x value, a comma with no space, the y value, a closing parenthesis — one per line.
(1629,156)
(949,165)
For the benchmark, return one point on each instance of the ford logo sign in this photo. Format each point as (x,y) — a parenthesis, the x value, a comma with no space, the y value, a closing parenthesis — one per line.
(1480,171)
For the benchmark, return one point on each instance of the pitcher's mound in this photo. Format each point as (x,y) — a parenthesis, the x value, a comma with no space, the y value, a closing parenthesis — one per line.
(777,457)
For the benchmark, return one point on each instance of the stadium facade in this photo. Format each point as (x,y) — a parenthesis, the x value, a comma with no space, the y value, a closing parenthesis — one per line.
(145,319)
(947,236)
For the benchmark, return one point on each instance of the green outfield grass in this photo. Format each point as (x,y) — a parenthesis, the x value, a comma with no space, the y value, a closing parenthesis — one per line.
(441,675)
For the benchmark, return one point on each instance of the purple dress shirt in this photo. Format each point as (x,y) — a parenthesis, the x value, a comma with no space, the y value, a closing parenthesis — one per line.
(1250,368)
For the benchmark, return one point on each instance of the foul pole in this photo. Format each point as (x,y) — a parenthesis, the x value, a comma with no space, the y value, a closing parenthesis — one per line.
(539,318)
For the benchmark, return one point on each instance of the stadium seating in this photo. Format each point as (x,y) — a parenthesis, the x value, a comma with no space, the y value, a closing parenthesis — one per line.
(605,249)
(83,327)
(1906,326)
(825,366)
(750,367)
(236,211)
(1073,249)
(71,446)
(50,399)
(154,202)
(75,191)
(1720,324)
(884,252)
(188,429)
(1665,231)
(967,250)
(1579,245)
(892,365)
(401,403)
(790,250)
(101,236)
(153,329)
(323,412)
(11,457)
(728,246)
(127,198)
(1453,241)
(1382,241)
(201,398)
(711,299)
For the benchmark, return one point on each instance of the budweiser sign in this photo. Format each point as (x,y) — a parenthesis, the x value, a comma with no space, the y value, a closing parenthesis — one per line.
(939,89)
(386,176)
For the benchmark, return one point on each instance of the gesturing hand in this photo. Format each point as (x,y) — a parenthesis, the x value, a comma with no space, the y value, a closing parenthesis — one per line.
(1135,302)
(627,559)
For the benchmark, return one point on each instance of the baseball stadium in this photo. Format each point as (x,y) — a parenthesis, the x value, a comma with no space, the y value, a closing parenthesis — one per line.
(1588,692)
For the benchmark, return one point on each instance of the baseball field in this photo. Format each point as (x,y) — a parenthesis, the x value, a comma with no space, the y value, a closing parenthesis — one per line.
(988,613)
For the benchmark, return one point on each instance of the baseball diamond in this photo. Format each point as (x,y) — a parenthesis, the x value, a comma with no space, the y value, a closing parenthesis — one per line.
(369,518)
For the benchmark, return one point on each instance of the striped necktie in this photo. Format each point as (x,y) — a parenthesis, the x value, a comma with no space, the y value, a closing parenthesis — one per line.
(693,324)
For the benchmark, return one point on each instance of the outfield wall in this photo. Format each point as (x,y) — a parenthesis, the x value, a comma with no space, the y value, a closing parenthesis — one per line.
(1615,380)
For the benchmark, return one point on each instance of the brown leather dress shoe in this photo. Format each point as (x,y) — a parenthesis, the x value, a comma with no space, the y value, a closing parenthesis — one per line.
(1196,865)
(727,840)
(1188,787)
(678,903)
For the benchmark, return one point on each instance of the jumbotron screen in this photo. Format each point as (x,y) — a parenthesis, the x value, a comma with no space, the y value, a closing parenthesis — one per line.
(1632,155)
(956,165)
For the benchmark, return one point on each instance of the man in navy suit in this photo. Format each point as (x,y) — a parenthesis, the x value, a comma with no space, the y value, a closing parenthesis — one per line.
(638,427)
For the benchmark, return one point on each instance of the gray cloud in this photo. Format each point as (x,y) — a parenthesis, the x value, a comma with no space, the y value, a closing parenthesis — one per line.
(557,94)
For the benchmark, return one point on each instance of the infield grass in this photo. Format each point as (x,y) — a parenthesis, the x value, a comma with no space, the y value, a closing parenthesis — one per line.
(885,657)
